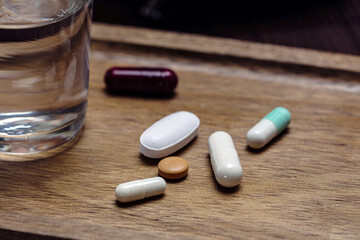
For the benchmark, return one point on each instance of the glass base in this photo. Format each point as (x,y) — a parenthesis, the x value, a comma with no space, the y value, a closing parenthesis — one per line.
(43,145)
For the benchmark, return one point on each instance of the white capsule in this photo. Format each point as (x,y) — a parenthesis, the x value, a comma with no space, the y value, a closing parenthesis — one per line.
(270,126)
(262,133)
(224,159)
(140,189)
(169,134)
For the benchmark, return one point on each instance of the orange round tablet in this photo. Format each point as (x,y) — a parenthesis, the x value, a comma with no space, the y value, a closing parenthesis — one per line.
(173,167)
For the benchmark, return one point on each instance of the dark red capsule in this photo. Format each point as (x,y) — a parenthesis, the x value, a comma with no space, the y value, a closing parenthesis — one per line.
(141,80)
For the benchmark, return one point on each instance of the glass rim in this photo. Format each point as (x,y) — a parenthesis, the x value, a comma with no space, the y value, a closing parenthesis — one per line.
(33,31)
(21,25)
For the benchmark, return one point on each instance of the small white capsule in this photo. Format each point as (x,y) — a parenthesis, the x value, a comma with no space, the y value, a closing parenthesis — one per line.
(270,126)
(224,159)
(140,189)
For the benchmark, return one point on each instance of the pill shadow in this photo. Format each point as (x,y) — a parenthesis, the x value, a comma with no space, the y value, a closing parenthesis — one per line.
(138,202)
(175,180)
(141,95)
(227,190)
(221,188)
(272,142)
(155,161)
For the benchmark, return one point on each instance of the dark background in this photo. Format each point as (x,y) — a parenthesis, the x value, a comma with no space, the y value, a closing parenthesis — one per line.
(329,25)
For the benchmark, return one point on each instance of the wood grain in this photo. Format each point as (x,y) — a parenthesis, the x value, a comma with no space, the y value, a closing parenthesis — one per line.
(225,47)
(305,184)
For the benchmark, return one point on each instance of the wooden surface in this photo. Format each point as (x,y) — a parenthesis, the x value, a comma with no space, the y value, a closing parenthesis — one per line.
(305,184)
(224,47)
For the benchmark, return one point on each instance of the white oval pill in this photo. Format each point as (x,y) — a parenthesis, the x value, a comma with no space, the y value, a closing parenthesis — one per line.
(224,159)
(169,134)
(140,189)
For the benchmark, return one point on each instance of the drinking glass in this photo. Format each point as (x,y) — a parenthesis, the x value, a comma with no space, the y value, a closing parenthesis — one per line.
(44,75)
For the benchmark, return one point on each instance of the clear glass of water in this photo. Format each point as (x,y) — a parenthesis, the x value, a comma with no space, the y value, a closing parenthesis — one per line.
(44,75)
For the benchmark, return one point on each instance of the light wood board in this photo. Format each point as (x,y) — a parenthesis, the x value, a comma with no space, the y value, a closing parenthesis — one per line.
(305,184)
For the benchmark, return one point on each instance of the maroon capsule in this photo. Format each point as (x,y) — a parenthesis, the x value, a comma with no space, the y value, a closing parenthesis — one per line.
(141,80)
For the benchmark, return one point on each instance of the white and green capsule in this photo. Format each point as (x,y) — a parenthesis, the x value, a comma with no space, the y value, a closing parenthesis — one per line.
(269,127)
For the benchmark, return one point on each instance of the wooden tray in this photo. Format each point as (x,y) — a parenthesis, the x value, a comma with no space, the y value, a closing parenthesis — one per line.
(305,184)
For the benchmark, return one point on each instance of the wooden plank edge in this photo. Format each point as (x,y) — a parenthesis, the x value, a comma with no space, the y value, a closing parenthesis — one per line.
(224,46)
(44,227)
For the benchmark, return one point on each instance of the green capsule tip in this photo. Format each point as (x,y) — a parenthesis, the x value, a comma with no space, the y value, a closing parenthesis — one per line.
(280,116)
